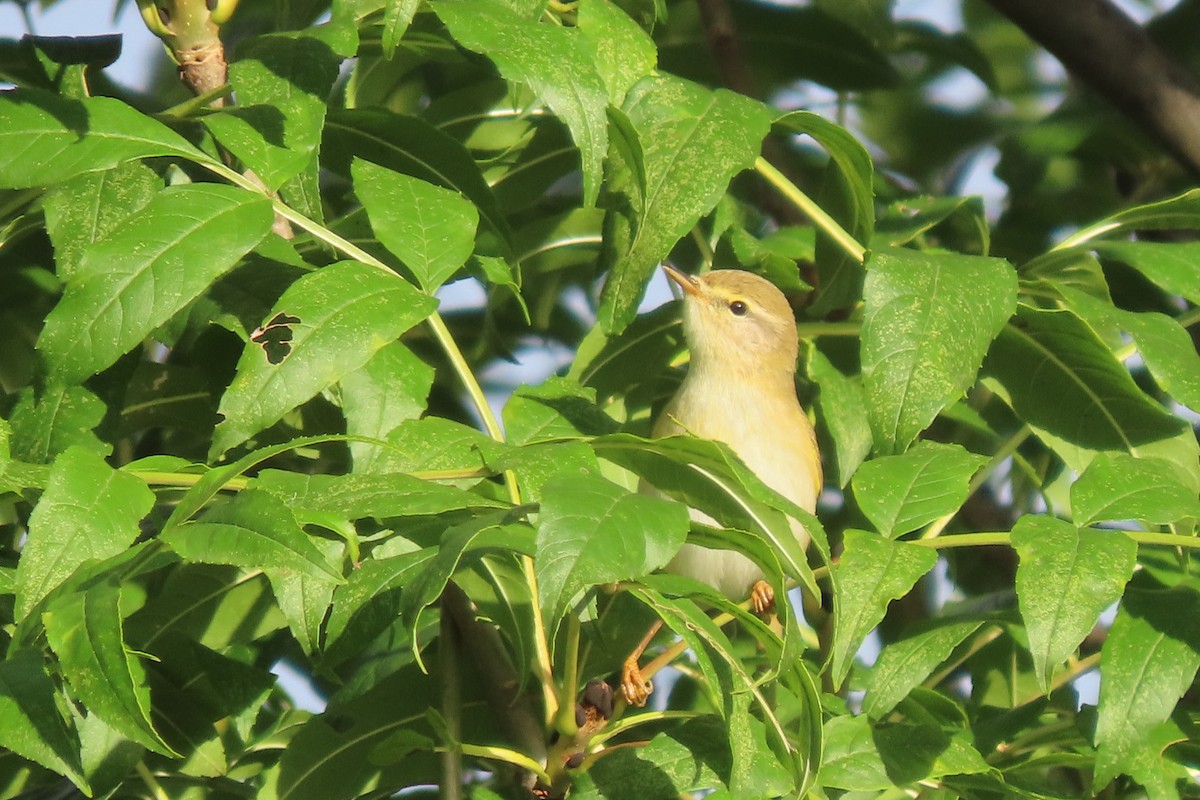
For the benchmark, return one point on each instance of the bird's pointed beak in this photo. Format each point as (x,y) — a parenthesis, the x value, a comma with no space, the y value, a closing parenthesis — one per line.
(688,283)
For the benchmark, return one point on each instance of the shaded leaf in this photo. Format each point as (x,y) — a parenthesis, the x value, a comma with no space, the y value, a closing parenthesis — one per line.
(31,724)
(1149,660)
(553,61)
(282,82)
(905,664)
(1096,403)
(1065,578)
(414,147)
(85,631)
(848,194)
(1175,266)
(842,404)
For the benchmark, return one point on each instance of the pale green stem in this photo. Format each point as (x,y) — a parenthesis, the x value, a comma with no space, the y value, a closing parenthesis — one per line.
(811,209)
(438,326)
(193,104)
(570,679)
(151,782)
(1007,449)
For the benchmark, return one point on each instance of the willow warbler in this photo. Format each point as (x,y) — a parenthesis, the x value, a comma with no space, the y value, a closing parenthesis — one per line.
(740,389)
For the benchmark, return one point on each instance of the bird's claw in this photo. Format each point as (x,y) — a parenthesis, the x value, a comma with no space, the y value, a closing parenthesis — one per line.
(762,598)
(634,687)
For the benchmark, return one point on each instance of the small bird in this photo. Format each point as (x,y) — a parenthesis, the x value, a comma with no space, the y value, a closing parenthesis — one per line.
(740,389)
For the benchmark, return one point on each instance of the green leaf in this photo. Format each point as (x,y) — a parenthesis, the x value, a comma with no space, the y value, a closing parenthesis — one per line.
(848,194)
(873,571)
(85,209)
(88,511)
(31,724)
(706,476)
(253,530)
(1117,486)
(1066,577)
(679,125)
(1149,660)
(1175,267)
(905,664)
(45,139)
(559,408)
(282,83)
(338,317)
(414,147)
(592,531)
(842,407)
(925,752)
(1182,211)
(1164,344)
(147,270)
(62,416)
(851,759)
(551,60)
(622,52)
(396,20)
(430,229)
(902,493)
(439,444)
(1096,403)
(377,495)
(85,631)
(368,602)
(918,351)
(391,388)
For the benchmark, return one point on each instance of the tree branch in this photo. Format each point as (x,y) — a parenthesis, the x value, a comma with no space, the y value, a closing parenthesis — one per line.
(1108,51)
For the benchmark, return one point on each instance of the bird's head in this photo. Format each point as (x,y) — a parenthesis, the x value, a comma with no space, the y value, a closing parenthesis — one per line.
(737,322)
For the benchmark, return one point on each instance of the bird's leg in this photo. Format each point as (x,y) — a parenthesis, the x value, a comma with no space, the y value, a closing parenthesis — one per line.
(634,687)
(762,598)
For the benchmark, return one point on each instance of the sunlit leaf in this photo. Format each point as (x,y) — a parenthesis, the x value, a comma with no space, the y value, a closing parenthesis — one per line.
(88,511)
(917,353)
(46,139)
(1116,486)
(873,571)
(430,229)
(1066,577)
(902,493)
(148,269)
(343,313)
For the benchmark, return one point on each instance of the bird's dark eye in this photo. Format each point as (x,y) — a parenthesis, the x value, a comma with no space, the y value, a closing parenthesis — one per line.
(738,308)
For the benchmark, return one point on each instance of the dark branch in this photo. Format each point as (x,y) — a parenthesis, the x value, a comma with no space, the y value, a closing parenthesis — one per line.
(1108,51)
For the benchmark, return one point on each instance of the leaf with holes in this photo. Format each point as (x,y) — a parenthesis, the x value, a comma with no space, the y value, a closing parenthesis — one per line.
(347,311)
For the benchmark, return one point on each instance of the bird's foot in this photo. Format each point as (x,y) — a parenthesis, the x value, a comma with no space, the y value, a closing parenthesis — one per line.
(762,598)
(634,687)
